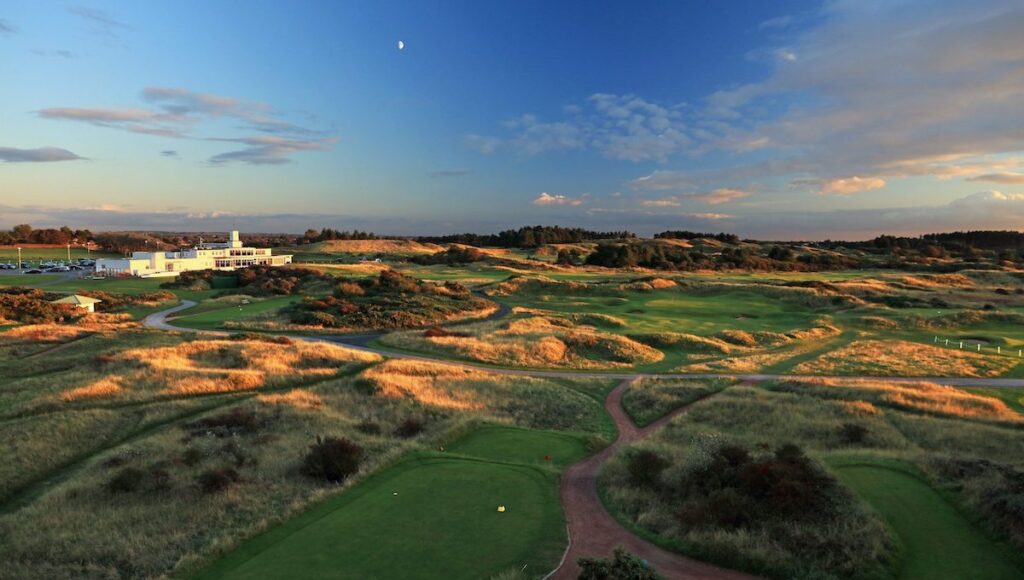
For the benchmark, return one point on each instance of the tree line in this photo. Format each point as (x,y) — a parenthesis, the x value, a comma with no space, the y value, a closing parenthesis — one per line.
(26,234)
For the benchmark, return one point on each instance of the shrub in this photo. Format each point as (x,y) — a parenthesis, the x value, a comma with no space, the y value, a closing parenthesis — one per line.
(621,566)
(233,422)
(409,428)
(217,480)
(333,459)
(127,480)
(852,434)
(645,467)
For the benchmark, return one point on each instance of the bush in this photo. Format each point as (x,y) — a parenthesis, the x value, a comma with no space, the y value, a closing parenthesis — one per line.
(127,480)
(217,480)
(409,428)
(645,467)
(852,434)
(333,459)
(622,566)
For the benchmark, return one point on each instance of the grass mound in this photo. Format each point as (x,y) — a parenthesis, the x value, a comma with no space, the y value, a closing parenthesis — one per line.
(777,512)
(534,341)
(202,367)
(396,247)
(902,358)
(920,397)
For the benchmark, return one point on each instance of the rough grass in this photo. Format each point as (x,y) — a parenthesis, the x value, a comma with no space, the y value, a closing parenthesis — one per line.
(647,400)
(903,358)
(203,367)
(869,419)
(178,527)
(397,247)
(534,341)
(919,396)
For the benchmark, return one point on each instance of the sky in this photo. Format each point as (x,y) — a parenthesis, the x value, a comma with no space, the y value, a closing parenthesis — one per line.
(790,119)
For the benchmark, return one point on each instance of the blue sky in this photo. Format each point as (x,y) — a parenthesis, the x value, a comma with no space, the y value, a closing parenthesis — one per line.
(790,119)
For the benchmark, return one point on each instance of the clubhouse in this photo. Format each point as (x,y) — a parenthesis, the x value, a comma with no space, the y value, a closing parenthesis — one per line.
(206,256)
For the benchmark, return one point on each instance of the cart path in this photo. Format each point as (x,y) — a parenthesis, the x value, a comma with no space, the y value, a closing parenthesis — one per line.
(594,533)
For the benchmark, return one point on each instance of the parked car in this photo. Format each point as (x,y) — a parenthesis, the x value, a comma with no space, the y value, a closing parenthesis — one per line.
(33,271)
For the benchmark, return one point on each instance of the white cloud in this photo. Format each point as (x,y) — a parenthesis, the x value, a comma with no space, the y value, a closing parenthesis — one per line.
(547,199)
(178,113)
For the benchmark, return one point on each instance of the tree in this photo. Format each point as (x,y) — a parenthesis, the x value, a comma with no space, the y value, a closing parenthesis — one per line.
(22,232)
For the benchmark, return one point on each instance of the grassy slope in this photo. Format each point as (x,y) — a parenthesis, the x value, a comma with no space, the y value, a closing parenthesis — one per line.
(433,516)
(937,541)
(525,446)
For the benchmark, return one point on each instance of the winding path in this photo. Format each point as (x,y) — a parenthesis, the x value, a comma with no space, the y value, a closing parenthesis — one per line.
(593,532)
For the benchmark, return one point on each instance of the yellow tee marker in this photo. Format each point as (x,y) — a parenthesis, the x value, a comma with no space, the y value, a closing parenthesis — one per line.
(501,508)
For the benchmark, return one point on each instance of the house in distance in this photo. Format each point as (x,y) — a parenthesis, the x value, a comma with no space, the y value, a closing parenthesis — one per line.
(206,256)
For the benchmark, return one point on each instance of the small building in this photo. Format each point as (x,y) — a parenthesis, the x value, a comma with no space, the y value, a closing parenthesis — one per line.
(209,256)
(83,302)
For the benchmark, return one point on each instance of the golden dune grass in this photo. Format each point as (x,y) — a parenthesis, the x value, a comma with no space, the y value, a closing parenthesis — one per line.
(878,357)
(427,383)
(379,247)
(220,366)
(92,323)
(938,281)
(101,389)
(297,398)
(861,408)
(920,396)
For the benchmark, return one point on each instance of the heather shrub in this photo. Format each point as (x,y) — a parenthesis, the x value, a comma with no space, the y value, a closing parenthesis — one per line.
(333,459)
(217,480)
(409,428)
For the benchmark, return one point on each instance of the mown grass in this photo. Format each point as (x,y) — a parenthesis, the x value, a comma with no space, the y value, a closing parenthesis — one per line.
(432,514)
(935,540)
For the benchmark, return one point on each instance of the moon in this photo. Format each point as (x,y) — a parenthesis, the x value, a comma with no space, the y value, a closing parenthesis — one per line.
(401,45)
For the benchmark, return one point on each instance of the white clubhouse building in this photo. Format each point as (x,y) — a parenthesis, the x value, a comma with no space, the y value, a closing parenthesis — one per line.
(206,256)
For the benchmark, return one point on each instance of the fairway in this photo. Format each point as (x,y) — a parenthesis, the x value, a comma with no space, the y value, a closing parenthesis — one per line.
(937,541)
(514,445)
(676,311)
(425,518)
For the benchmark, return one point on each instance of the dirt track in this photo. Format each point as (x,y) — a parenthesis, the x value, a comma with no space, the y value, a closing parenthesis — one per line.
(593,532)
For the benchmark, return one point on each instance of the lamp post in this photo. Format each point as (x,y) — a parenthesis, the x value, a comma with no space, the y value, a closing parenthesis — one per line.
(19,258)
(69,253)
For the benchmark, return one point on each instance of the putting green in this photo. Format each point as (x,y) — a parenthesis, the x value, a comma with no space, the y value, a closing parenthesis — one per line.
(217,316)
(426,518)
(937,541)
(513,445)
